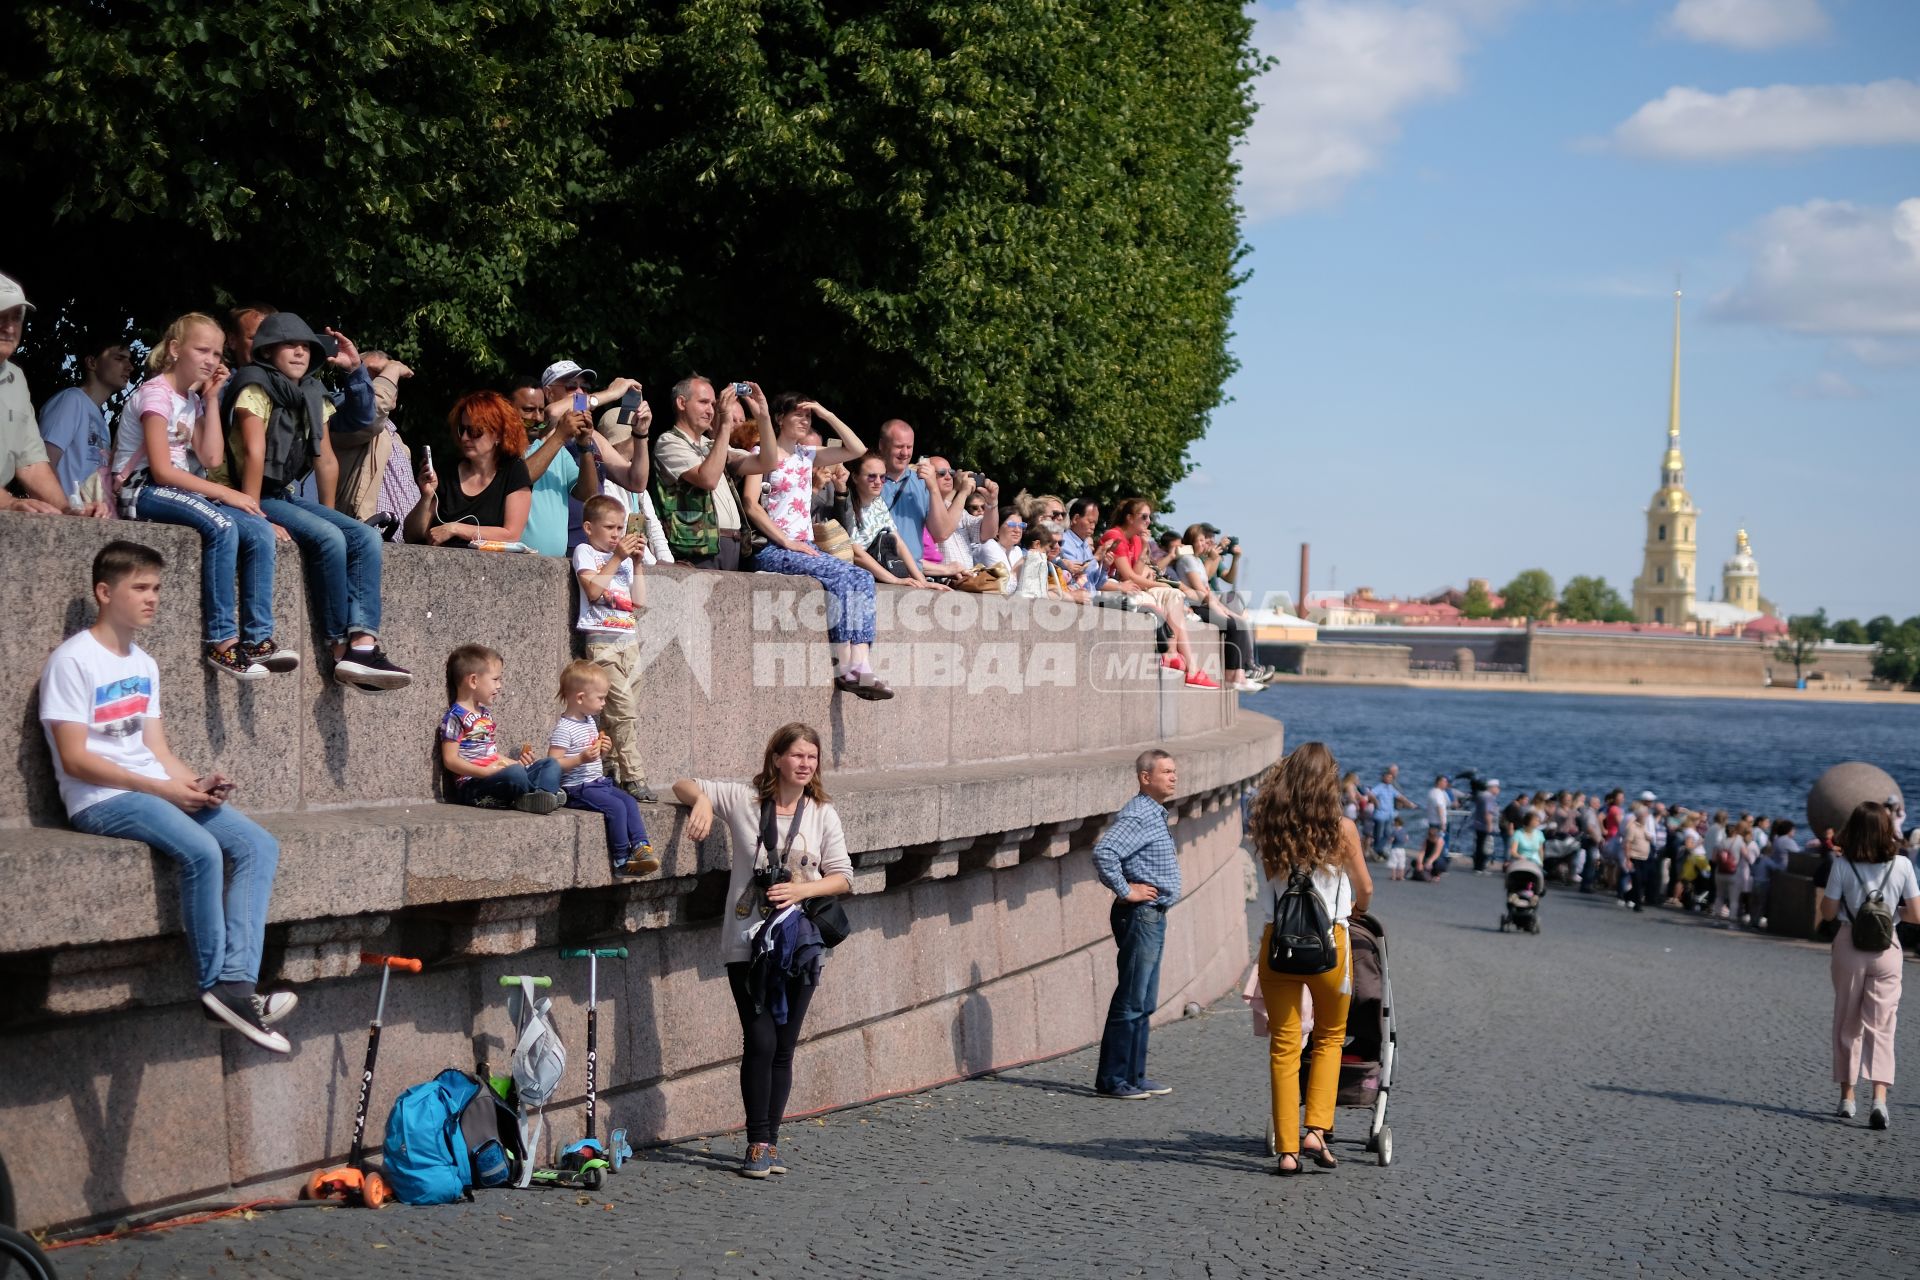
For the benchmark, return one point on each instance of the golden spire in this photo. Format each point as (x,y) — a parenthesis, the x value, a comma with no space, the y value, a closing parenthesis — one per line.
(1672,466)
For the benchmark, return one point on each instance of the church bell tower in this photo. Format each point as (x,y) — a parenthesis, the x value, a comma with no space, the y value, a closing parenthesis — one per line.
(1664,591)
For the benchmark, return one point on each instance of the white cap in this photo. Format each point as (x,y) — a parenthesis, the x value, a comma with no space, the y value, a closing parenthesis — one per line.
(12,295)
(565,369)
(1648,796)
(1493,782)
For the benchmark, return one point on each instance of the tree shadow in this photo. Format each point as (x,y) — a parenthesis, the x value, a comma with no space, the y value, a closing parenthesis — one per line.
(1708,1100)
(1875,1201)
(1218,1150)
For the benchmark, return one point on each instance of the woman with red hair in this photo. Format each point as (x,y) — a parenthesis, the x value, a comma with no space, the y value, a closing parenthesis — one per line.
(491,491)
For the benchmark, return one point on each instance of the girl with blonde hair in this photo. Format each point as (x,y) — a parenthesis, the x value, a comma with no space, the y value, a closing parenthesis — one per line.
(1297,829)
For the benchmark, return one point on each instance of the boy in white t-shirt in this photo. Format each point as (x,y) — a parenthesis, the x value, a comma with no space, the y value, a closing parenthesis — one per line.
(100,708)
(607,566)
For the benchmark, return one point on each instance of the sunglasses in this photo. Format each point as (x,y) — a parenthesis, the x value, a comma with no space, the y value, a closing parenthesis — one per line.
(1014,524)
(468,432)
(942,472)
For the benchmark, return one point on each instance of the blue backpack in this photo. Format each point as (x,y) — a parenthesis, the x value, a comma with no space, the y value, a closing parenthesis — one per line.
(426,1158)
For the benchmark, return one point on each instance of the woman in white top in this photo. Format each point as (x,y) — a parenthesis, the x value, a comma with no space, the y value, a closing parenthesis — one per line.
(1296,825)
(1866,984)
(785,513)
(788,847)
(869,518)
(1004,550)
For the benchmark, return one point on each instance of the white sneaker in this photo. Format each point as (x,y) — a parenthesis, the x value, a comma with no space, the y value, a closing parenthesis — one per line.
(274,1006)
(1846,1108)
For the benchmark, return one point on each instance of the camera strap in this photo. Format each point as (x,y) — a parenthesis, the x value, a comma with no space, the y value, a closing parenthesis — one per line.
(770,832)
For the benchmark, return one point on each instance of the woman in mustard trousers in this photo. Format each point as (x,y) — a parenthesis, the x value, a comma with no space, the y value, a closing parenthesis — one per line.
(1297,825)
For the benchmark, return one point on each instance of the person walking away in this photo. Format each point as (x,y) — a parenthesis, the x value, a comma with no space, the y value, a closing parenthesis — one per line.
(1486,825)
(100,709)
(1637,845)
(1296,828)
(1136,860)
(788,847)
(1870,886)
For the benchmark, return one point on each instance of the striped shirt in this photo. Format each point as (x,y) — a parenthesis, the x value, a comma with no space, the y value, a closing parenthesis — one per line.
(1137,848)
(574,736)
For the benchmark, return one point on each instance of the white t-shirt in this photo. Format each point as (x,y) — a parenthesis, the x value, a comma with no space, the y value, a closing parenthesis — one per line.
(1849,883)
(819,850)
(1437,806)
(1330,882)
(84,682)
(990,553)
(608,620)
(156,395)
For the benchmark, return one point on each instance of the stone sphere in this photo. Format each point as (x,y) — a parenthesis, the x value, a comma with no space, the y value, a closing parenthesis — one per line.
(1838,791)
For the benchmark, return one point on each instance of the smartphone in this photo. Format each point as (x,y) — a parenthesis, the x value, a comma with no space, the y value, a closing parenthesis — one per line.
(743,389)
(580,402)
(630,405)
(636,523)
(426,451)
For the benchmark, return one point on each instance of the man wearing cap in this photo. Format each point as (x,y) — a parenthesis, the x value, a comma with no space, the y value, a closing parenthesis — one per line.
(23,455)
(693,491)
(566,474)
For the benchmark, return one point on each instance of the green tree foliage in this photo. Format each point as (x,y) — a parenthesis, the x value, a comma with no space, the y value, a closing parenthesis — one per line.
(1799,646)
(1529,595)
(1898,660)
(1879,627)
(1013,225)
(1848,631)
(1478,602)
(1587,599)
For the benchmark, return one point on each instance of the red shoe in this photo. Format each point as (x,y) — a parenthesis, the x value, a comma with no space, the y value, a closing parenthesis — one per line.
(1201,680)
(1172,662)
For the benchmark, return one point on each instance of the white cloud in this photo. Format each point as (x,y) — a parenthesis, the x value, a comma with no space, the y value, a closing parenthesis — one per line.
(1748,24)
(1831,267)
(1826,385)
(1347,71)
(1691,124)
(1883,353)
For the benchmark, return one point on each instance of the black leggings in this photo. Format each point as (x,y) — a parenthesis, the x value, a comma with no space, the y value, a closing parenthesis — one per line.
(766,1055)
(1236,637)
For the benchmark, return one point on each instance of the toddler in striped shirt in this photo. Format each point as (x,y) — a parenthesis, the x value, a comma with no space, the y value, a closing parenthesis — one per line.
(577,745)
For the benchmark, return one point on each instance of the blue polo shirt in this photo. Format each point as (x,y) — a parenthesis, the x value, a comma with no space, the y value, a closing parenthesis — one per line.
(1075,547)
(547,517)
(907,498)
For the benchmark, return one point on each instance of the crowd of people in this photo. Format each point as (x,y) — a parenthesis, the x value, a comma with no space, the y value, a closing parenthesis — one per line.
(251,427)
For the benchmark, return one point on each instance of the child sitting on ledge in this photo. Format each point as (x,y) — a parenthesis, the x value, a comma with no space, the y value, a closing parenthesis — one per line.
(577,746)
(481,776)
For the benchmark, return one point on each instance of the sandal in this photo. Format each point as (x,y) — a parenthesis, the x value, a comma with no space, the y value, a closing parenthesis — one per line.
(846,682)
(871,687)
(1320,1152)
(1281,1168)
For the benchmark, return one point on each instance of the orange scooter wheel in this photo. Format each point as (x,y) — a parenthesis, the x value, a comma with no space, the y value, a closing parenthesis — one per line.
(332,1184)
(374,1191)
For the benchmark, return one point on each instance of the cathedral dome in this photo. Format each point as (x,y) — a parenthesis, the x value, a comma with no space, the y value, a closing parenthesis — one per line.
(1741,564)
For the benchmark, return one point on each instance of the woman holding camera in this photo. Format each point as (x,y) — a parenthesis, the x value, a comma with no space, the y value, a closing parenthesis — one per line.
(788,850)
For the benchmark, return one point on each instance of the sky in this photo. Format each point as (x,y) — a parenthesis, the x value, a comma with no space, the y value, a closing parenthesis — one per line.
(1466,219)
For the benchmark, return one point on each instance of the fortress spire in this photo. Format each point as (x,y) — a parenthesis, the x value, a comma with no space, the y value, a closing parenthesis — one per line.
(1664,591)
(1673,467)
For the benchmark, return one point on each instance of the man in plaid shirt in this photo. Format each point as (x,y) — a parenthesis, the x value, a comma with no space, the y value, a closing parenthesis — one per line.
(1136,859)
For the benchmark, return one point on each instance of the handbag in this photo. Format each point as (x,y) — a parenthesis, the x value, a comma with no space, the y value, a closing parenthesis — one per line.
(832,539)
(830,918)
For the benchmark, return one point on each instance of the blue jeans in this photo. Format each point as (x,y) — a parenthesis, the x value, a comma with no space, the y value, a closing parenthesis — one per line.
(510,783)
(626,833)
(343,564)
(1141,930)
(1383,831)
(850,609)
(222,907)
(228,539)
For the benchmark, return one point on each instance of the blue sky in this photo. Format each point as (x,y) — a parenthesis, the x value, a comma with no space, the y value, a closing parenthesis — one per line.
(1466,218)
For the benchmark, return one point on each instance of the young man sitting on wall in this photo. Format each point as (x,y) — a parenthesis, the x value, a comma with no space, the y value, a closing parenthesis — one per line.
(100,707)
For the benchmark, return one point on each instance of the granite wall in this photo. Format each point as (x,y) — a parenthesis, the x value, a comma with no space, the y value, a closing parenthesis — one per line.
(970,801)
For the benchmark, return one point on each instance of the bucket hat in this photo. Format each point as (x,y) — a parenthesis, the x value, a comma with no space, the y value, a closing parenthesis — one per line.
(283,327)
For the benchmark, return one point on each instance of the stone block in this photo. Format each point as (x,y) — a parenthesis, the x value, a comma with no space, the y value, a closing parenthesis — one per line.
(459,854)
(915,1049)
(1027,914)
(1070,1013)
(955,938)
(693,1005)
(829,1071)
(866,977)
(134,1114)
(999,1025)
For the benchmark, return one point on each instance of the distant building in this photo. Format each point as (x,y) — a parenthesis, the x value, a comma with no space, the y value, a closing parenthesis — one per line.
(1666,592)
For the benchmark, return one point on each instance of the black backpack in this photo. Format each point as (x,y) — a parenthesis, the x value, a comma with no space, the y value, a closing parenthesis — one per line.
(1872,928)
(1302,943)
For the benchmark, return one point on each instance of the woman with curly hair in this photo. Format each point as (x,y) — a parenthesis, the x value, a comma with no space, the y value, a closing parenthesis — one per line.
(1297,829)
(491,493)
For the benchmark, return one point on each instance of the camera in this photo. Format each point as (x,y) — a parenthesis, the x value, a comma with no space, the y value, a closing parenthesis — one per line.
(979,478)
(744,390)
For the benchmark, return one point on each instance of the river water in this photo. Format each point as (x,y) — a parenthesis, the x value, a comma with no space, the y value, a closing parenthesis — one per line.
(1712,753)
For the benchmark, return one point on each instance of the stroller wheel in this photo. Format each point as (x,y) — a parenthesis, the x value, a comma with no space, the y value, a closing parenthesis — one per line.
(1534,927)
(1385,1147)
(1503,924)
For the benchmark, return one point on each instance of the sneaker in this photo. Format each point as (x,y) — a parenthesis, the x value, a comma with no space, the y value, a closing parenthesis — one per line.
(1173,662)
(1201,680)
(1131,1092)
(640,791)
(774,1163)
(237,1010)
(234,661)
(640,862)
(369,670)
(1846,1109)
(538,802)
(1243,685)
(274,1006)
(1761,924)
(270,655)
(757,1163)
(1877,1118)
(1154,1087)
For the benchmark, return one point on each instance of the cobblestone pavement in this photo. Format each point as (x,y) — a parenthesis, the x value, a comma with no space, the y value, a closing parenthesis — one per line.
(1618,1096)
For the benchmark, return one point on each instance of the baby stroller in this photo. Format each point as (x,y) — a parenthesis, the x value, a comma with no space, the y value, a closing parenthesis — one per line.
(1526,884)
(1366,1061)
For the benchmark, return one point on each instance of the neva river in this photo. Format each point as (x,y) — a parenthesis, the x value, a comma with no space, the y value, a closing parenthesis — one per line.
(1758,756)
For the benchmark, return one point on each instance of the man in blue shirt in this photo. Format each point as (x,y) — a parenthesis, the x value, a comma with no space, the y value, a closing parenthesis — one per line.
(74,422)
(908,489)
(1137,861)
(1386,797)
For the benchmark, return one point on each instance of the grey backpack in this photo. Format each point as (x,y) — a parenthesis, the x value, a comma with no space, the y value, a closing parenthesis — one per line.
(1872,927)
